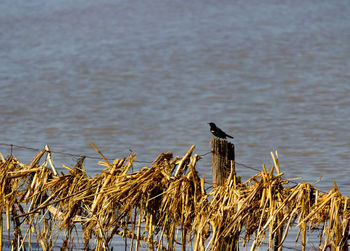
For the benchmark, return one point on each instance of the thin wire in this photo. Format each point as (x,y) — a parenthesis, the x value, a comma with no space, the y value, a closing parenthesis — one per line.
(249,167)
(202,155)
(64,153)
(56,152)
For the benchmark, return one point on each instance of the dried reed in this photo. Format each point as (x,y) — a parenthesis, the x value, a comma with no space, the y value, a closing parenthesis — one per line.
(162,206)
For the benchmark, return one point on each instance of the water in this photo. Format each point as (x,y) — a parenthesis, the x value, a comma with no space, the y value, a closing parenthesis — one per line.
(148,76)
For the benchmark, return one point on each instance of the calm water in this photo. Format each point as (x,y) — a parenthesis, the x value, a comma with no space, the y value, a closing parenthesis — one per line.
(148,76)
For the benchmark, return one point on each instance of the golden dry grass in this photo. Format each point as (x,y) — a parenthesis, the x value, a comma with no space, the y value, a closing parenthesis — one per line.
(163,206)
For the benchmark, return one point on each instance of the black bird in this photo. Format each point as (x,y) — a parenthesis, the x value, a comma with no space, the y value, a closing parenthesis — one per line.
(216,131)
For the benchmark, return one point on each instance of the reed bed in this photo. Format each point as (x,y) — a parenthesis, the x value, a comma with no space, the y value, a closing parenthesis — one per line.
(163,206)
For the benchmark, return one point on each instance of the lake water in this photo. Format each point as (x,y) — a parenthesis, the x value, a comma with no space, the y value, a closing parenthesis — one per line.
(148,76)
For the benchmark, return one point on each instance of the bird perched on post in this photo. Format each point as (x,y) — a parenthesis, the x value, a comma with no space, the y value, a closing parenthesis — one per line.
(216,131)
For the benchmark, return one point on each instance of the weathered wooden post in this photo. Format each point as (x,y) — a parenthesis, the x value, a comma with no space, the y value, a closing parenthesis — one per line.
(223,157)
(223,166)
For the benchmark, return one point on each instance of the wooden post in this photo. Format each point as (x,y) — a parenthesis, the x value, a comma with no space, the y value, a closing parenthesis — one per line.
(223,167)
(223,157)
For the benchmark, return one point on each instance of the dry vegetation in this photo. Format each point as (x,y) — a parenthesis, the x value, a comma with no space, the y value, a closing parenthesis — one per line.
(163,207)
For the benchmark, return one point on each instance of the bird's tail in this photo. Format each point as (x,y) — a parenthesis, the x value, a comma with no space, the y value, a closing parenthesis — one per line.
(229,136)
